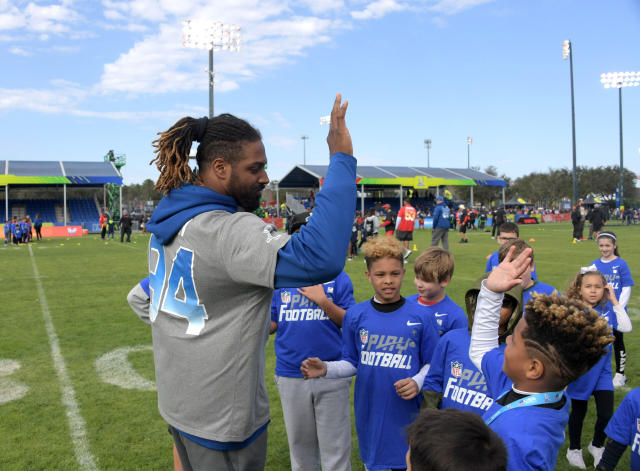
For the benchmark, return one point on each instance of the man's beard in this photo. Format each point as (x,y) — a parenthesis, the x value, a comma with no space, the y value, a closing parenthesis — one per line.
(247,198)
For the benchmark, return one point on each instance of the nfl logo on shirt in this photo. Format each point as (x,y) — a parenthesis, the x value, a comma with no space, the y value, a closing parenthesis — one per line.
(364,335)
(456,369)
(285,297)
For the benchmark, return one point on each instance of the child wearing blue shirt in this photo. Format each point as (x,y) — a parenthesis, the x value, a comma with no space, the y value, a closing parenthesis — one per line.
(316,412)
(453,380)
(623,430)
(590,286)
(433,272)
(506,232)
(388,346)
(555,342)
(529,284)
(618,275)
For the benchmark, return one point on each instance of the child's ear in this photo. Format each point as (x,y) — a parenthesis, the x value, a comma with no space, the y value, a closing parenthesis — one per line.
(535,369)
(444,283)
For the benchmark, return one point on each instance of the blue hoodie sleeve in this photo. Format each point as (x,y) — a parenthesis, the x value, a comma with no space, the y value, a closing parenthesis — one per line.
(316,254)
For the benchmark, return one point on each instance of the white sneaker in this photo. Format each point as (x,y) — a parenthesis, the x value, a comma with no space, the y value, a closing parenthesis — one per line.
(619,380)
(574,457)
(406,254)
(596,452)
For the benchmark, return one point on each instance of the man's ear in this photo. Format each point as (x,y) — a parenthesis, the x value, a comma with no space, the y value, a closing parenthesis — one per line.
(221,168)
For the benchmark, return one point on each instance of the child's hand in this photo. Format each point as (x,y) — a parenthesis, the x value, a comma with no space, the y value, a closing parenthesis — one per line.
(314,293)
(507,275)
(313,368)
(612,294)
(406,388)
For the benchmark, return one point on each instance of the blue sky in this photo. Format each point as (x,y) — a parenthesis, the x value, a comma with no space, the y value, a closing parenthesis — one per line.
(81,77)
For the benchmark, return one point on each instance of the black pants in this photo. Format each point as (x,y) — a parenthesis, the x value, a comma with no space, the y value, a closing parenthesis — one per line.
(38,232)
(619,351)
(103,232)
(604,411)
(123,231)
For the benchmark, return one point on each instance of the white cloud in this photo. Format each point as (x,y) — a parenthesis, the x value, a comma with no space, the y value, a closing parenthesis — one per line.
(53,18)
(378,9)
(282,142)
(281,120)
(451,7)
(319,7)
(18,51)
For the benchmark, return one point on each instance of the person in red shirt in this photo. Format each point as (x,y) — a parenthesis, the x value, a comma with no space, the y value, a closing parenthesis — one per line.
(103,225)
(405,223)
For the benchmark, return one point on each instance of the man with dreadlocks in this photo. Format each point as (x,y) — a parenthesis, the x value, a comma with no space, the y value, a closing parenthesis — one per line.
(212,272)
(557,341)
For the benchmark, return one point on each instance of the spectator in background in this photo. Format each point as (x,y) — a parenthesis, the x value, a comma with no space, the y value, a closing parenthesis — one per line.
(125,226)
(441,224)
(389,222)
(37,225)
(498,219)
(103,225)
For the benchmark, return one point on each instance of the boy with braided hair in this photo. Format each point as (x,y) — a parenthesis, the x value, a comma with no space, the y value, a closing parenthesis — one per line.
(557,341)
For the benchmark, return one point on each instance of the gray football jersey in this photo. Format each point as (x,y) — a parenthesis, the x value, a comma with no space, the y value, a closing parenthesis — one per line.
(211,291)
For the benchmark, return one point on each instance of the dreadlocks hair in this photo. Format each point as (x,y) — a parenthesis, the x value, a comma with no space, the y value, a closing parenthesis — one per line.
(568,337)
(219,137)
(573,291)
(382,247)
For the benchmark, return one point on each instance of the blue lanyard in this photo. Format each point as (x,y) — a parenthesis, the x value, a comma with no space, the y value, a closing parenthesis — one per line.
(532,400)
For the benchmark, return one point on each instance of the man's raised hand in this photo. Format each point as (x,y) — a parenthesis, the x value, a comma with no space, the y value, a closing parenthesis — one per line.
(507,275)
(339,139)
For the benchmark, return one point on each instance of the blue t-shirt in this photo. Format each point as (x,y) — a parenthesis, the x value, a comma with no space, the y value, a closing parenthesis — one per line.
(497,381)
(304,330)
(599,377)
(624,426)
(8,229)
(454,375)
(445,314)
(538,287)
(532,435)
(616,272)
(493,262)
(385,347)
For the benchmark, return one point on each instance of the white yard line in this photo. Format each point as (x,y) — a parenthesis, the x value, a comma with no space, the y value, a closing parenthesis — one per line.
(76,422)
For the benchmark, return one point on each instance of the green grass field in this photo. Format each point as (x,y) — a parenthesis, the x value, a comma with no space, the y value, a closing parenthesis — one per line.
(71,293)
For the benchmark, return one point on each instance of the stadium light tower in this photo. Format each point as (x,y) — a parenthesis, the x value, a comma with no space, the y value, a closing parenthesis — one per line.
(469,142)
(214,36)
(427,144)
(619,80)
(567,53)
(304,148)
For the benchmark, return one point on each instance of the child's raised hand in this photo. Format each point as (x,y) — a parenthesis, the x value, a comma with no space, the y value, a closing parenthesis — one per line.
(314,293)
(612,294)
(406,388)
(313,368)
(507,275)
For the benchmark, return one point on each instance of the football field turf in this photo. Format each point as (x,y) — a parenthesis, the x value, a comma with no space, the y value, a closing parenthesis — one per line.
(76,367)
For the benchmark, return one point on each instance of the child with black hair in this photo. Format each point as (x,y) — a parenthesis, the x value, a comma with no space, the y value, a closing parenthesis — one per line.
(464,442)
(617,273)
(590,287)
(387,345)
(553,344)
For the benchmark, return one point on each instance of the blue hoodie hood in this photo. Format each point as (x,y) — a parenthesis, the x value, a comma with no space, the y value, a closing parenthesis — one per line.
(183,204)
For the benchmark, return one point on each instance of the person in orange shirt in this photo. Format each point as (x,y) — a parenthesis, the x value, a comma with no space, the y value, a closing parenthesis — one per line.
(103,225)
(405,224)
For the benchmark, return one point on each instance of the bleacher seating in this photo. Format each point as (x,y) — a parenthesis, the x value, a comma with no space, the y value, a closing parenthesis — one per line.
(79,211)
